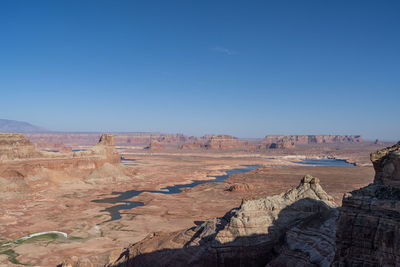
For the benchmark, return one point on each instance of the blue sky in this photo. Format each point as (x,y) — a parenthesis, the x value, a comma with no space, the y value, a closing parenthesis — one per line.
(246,68)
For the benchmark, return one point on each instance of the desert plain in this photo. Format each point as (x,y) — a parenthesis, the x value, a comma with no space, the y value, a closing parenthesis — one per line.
(88,199)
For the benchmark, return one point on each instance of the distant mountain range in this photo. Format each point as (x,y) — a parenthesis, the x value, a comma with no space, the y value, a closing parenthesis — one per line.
(11,126)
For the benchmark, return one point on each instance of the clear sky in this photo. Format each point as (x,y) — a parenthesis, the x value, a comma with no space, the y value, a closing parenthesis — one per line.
(246,68)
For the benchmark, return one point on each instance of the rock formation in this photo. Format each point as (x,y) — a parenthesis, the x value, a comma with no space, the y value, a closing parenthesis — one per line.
(368,227)
(224,142)
(139,140)
(219,142)
(16,146)
(155,145)
(241,187)
(198,144)
(250,235)
(19,156)
(282,141)
(277,143)
(105,148)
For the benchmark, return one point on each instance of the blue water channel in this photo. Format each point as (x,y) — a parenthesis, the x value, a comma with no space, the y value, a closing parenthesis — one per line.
(122,201)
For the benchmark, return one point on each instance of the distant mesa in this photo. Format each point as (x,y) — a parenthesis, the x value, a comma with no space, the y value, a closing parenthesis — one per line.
(219,142)
(11,126)
(290,141)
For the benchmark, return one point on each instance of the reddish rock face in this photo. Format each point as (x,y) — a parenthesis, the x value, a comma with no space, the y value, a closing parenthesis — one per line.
(219,142)
(16,146)
(120,139)
(224,142)
(368,227)
(198,144)
(290,141)
(241,187)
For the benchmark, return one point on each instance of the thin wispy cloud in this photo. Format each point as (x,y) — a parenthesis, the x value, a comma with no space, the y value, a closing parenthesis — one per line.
(224,50)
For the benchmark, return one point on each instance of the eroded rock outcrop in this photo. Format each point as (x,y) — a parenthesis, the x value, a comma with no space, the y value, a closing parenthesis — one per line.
(241,187)
(155,145)
(219,142)
(250,235)
(368,228)
(20,158)
(16,146)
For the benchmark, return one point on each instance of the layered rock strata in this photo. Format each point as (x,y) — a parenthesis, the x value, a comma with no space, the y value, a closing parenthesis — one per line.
(16,146)
(250,235)
(282,141)
(368,227)
(121,139)
(20,158)
(219,142)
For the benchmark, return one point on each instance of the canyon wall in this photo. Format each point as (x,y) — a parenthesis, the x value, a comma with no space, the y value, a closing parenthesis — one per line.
(368,228)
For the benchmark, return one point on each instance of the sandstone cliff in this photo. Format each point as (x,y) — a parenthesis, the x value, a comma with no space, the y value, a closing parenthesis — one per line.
(282,141)
(20,158)
(219,142)
(252,235)
(16,146)
(368,228)
(139,140)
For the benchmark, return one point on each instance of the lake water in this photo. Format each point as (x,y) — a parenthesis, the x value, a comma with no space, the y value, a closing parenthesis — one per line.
(123,202)
(325,162)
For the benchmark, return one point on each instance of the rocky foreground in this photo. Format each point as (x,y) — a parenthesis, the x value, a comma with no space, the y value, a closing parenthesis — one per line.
(301,227)
(368,228)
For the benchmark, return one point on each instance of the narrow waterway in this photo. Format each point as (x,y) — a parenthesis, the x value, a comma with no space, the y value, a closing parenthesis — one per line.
(122,198)
(122,202)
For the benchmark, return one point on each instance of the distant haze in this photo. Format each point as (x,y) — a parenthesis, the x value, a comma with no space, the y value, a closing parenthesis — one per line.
(222,67)
(11,126)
